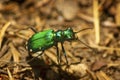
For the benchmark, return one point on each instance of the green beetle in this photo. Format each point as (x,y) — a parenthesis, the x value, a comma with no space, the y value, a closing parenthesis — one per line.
(43,40)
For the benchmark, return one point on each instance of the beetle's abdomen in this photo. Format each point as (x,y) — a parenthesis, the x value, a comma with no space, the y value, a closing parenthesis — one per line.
(41,41)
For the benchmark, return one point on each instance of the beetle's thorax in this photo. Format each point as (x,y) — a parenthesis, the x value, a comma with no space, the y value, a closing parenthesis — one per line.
(64,35)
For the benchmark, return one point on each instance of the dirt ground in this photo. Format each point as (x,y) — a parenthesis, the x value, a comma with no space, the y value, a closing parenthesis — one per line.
(97,59)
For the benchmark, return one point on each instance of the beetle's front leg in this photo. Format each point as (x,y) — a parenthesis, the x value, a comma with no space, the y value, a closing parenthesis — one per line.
(58,54)
(64,52)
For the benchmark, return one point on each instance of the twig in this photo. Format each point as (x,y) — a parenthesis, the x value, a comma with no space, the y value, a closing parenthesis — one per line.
(96,20)
(117,16)
(2,32)
(9,74)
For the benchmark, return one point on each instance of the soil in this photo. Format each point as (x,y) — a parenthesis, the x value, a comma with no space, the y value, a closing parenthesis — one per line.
(93,55)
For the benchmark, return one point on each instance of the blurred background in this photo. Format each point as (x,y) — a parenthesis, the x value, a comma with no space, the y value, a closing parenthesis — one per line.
(16,18)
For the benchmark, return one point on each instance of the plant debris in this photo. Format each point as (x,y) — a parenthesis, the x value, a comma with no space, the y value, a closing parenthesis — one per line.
(100,61)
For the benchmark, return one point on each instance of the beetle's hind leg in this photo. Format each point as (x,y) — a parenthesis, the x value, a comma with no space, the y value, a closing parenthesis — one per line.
(35,56)
(35,31)
(64,52)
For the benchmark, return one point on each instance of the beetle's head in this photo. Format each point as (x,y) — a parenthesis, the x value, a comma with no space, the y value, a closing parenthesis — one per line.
(69,34)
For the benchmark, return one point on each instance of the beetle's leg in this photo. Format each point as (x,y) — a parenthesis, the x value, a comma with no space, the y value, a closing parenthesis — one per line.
(33,29)
(64,52)
(58,55)
(35,56)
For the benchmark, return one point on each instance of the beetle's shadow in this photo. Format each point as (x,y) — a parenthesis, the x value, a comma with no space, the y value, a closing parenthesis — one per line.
(37,66)
(44,71)
(41,70)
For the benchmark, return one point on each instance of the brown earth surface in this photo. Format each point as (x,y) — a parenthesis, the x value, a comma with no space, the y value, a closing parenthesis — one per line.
(97,59)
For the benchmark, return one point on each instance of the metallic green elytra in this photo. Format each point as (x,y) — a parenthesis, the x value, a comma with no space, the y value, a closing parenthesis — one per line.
(43,40)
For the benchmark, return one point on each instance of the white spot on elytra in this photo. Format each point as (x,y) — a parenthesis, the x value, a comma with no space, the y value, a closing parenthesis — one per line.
(30,50)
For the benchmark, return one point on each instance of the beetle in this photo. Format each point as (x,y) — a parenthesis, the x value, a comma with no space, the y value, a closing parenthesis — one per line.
(41,41)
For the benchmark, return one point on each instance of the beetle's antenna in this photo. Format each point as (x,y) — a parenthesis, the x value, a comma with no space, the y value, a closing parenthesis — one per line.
(88,46)
(85,43)
(82,30)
